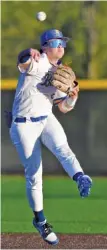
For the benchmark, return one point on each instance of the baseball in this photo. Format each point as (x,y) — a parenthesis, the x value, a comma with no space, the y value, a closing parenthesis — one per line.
(41,16)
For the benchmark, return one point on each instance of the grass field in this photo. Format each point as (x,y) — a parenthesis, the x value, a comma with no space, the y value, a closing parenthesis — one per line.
(63,207)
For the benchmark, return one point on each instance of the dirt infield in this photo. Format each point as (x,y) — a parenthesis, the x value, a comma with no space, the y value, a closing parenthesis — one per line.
(67,241)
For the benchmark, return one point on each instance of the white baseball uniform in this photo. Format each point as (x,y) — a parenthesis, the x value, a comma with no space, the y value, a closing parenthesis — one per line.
(35,99)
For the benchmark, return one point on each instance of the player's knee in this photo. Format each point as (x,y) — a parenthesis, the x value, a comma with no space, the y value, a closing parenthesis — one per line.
(33,177)
(64,152)
(34,182)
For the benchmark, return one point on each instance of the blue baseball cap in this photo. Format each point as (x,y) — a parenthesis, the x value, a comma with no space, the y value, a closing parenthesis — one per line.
(52,34)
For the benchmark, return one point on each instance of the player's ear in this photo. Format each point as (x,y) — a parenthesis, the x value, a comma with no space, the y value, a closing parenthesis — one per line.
(44,49)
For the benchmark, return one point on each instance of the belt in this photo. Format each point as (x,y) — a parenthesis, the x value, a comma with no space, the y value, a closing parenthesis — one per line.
(33,119)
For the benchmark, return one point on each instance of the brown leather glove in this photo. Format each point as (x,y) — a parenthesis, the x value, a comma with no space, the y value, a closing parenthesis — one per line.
(64,79)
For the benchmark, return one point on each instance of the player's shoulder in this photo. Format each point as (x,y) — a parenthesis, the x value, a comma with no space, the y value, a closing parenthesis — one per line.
(43,61)
(43,57)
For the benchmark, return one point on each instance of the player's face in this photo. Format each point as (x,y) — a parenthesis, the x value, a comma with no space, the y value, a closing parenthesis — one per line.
(56,43)
(55,48)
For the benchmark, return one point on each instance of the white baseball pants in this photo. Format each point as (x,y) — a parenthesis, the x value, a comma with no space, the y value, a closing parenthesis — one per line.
(27,138)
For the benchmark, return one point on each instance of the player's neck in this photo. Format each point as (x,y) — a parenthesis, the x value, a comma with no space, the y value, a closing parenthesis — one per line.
(53,61)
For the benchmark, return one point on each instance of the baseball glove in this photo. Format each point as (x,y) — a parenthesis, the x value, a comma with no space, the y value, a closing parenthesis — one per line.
(64,79)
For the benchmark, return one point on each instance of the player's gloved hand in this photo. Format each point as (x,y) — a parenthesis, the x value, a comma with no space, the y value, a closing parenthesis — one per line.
(84,183)
(8,118)
(64,79)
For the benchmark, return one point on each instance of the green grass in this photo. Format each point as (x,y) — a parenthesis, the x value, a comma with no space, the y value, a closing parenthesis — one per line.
(63,207)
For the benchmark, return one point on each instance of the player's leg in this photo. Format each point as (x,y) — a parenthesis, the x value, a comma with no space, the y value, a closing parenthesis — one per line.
(27,144)
(54,138)
(25,137)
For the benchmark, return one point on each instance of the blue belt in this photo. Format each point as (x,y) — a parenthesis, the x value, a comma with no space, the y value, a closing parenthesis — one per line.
(33,119)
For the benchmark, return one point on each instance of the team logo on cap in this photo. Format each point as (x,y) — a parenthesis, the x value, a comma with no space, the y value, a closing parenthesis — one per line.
(57,32)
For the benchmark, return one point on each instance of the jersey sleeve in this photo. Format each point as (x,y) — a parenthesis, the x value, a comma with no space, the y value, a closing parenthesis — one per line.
(59,97)
(31,69)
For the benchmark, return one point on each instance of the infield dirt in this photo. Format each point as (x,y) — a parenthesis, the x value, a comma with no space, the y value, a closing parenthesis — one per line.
(66,241)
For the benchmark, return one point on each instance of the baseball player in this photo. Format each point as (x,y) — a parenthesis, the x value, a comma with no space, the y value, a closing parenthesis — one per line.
(33,122)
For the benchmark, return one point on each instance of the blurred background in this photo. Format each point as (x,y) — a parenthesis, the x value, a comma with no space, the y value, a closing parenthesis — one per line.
(86,126)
